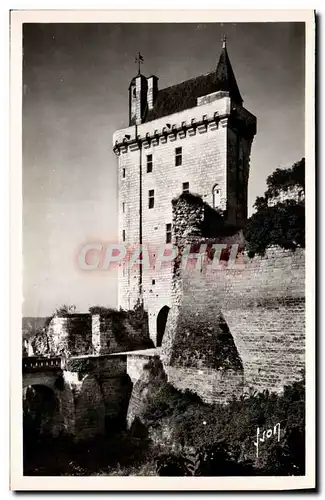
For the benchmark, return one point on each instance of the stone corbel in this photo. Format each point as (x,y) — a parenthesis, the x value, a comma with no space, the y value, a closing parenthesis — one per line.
(213,125)
(192,130)
(163,138)
(224,122)
(155,139)
(147,141)
(202,128)
(134,146)
(182,131)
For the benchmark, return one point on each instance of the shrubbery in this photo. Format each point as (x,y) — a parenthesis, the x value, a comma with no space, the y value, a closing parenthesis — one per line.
(282,222)
(219,439)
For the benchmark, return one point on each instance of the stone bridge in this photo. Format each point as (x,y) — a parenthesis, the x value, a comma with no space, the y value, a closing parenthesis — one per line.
(79,397)
(41,371)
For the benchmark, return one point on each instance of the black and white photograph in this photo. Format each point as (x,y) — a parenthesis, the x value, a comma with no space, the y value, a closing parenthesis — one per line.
(165,316)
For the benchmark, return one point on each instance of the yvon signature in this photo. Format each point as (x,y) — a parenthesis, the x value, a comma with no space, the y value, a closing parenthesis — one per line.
(268,434)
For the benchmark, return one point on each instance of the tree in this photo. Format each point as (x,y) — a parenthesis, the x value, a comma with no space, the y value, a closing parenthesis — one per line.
(40,342)
(280,214)
(65,309)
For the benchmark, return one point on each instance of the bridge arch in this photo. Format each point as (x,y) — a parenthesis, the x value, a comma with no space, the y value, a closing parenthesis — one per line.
(161,324)
(55,384)
(41,412)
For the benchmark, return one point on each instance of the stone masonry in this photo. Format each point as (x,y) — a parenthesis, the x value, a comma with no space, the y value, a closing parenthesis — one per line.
(263,306)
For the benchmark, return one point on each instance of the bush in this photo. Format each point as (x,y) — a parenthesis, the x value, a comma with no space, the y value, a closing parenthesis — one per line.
(281,223)
(167,401)
(221,437)
(171,465)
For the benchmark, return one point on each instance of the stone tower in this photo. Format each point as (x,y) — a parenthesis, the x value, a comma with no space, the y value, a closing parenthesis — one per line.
(194,136)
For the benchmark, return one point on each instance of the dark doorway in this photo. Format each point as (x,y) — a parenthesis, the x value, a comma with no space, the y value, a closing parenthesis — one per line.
(161,324)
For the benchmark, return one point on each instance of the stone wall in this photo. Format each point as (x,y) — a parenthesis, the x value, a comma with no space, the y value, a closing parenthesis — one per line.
(70,335)
(152,376)
(103,338)
(99,334)
(101,389)
(89,408)
(212,385)
(137,361)
(120,331)
(263,305)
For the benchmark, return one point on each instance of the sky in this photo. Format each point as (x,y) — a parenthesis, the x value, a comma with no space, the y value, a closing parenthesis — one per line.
(75,95)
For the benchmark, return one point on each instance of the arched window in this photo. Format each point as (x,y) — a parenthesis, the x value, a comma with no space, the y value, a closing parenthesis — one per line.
(216,196)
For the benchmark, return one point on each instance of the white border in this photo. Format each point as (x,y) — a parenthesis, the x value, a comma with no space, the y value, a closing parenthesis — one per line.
(17,480)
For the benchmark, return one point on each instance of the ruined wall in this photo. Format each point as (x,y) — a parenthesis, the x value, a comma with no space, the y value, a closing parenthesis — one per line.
(104,333)
(103,338)
(263,305)
(120,331)
(70,335)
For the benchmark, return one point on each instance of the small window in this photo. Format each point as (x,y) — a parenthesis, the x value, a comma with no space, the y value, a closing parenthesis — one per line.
(151,198)
(149,163)
(153,282)
(178,157)
(134,92)
(123,234)
(123,207)
(123,173)
(168,233)
(186,187)
(216,196)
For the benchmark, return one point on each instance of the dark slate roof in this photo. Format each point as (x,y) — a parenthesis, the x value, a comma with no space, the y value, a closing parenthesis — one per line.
(184,95)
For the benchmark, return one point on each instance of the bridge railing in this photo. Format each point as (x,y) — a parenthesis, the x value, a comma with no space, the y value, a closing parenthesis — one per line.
(40,364)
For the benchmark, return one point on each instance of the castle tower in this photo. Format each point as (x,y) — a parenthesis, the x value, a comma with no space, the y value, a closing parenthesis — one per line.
(194,136)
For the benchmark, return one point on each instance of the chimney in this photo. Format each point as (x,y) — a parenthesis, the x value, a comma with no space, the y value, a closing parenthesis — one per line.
(152,91)
(137,99)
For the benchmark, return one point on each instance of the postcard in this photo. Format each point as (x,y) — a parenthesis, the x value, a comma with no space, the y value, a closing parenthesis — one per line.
(163,222)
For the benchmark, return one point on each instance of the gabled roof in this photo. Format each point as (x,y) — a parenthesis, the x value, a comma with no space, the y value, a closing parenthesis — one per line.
(184,95)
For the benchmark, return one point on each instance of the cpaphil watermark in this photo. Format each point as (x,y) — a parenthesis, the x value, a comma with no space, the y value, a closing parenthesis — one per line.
(94,256)
(267,434)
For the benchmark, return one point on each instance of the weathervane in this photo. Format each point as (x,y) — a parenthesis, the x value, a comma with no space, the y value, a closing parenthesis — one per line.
(139,60)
